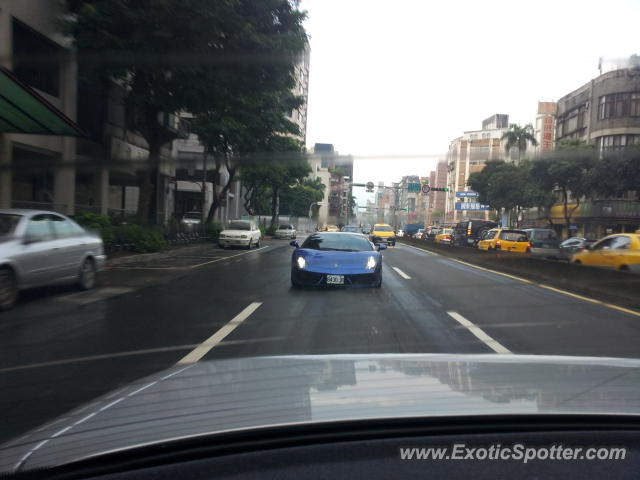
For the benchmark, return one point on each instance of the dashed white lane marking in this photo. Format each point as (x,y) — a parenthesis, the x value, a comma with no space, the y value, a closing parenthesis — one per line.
(202,349)
(478,332)
(401,273)
(83,298)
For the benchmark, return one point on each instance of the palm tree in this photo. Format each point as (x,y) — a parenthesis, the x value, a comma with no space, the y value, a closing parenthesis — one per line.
(518,136)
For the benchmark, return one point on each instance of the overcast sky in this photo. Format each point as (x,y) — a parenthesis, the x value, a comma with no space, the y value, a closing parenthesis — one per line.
(405,77)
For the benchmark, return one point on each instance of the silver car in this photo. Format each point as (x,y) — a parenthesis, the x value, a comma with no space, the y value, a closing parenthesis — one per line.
(285,231)
(43,248)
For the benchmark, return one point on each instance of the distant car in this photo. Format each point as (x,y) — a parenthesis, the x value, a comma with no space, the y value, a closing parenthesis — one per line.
(430,233)
(420,233)
(285,231)
(544,242)
(329,258)
(240,233)
(505,239)
(44,248)
(400,233)
(190,221)
(467,233)
(331,228)
(351,229)
(444,235)
(366,230)
(573,245)
(383,233)
(619,251)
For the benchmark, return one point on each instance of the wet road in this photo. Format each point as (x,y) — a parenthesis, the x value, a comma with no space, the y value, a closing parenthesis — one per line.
(60,349)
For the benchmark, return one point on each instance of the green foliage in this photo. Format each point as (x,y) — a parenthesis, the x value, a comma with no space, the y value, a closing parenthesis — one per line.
(518,136)
(140,239)
(98,223)
(271,230)
(212,230)
(297,199)
(263,230)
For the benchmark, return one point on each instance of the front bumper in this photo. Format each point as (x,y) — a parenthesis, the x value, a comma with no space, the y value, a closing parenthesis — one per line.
(100,262)
(284,235)
(545,252)
(385,240)
(317,279)
(234,242)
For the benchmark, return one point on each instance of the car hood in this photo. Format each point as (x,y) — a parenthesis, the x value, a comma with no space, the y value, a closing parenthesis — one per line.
(249,393)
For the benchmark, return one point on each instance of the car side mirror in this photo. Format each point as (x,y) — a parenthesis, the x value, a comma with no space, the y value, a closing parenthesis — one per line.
(382,247)
(293,243)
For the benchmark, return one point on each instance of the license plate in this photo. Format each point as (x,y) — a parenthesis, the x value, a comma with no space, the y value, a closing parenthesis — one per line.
(335,279)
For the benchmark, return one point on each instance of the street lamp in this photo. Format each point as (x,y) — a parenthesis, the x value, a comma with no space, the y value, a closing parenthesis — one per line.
(310,207)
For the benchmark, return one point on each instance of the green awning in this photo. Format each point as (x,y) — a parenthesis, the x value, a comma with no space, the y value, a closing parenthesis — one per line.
(23,110)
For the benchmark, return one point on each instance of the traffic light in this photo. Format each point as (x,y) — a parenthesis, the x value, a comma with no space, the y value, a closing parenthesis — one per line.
(439,189)
(369,187)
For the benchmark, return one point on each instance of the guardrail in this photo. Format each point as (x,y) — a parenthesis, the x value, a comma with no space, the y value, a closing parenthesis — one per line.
(621,288)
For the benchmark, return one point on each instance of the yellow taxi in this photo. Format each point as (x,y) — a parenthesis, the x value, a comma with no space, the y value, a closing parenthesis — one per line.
(383,233)
(444,235)
(620,251)
(505,239)
(331,228)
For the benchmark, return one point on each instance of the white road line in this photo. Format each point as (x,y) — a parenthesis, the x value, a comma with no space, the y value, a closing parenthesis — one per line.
(478,332)
(202,349)
(429,252)
(401,273)
(227,258)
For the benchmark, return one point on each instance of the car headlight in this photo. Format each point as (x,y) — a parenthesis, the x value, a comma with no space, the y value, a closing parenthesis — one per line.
(371,263)
(301,262)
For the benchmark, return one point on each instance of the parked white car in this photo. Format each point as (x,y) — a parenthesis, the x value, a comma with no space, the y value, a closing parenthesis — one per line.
(45,248)
(285,231)
(240,233)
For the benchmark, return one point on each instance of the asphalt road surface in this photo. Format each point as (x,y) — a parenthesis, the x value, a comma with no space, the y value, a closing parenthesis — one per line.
(60,349)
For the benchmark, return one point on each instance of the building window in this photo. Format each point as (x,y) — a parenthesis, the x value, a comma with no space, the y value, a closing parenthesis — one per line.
(619,105)
(36,59)
(634,109)
(611,143)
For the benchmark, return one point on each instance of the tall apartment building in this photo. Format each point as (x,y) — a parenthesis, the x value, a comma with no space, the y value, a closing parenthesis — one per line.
(468,154)
(301,89)
(437,200)
(545,127)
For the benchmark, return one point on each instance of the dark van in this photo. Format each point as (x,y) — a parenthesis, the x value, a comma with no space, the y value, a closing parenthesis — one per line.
(468,232)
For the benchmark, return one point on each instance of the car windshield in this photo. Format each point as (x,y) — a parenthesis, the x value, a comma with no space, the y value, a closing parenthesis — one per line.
(208,184)
(239,226)
(8,223)
(337,242)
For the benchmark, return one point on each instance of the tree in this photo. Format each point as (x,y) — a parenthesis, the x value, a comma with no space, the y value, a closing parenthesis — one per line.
(519,137)
(195,55)
(297,199)
(571,174)
(285,167)
(542,187)
(504,186)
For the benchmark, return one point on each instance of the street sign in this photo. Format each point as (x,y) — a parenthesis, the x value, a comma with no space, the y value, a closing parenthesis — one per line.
(414,187)
(425,189)
(468,193)
(471,206)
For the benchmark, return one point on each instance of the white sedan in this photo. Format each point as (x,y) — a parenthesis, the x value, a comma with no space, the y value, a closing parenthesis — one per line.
(240,233)
(285,231)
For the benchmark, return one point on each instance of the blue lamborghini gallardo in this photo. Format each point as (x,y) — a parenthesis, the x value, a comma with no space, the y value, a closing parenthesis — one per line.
(336,258)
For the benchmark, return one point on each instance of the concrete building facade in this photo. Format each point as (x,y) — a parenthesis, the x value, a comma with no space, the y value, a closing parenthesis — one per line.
(468,154)
(545,127)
